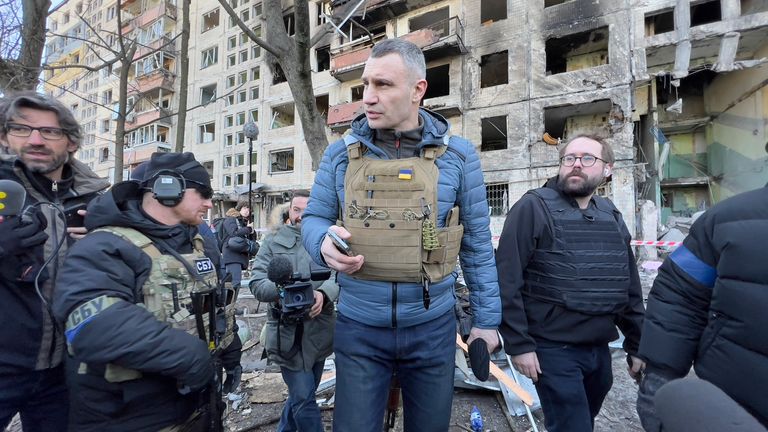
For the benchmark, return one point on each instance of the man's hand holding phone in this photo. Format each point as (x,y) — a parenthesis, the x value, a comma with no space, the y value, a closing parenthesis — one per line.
(337,253)
(75,217)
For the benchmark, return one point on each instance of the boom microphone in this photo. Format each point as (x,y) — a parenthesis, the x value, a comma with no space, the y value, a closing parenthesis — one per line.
(692,404)
(12,197)
(279,270)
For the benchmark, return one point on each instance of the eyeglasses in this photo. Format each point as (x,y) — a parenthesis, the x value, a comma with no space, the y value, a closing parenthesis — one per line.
(23,131)
(586,161)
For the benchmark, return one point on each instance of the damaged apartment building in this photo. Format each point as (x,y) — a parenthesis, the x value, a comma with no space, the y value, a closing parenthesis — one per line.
(677,86)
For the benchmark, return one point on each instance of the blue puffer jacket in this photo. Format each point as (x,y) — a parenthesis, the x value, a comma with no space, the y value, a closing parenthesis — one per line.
(385,304)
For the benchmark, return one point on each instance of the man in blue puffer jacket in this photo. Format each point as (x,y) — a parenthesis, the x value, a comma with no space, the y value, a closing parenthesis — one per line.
(411,198)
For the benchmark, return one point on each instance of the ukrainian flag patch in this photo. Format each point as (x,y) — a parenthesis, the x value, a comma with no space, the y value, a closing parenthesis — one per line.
(405,174)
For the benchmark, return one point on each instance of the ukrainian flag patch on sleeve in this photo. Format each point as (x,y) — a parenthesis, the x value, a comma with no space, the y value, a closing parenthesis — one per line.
(405,174)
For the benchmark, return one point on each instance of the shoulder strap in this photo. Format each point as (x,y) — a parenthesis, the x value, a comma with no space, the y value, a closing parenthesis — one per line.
(134,237)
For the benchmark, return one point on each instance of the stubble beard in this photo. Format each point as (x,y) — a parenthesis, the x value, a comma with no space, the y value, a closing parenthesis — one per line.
(56,162)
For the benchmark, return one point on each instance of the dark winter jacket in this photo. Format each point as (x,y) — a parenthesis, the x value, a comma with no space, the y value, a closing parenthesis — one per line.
(28,338)
(316,341)
(232,252)
(126,334)
(709,303)
(460,182)
(527,321)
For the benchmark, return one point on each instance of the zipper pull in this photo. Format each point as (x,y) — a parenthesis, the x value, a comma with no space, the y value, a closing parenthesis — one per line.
(54,186)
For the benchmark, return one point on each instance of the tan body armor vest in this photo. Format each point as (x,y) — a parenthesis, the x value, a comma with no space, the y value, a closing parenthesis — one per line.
(168,292)
(390,208)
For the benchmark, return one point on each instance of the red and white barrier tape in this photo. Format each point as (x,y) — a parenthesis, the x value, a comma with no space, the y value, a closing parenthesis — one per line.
(655,243)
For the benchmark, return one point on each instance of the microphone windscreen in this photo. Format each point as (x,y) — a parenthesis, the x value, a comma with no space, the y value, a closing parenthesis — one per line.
(479,359)
(692,404)
(279,270)
(250,130)
(12,197)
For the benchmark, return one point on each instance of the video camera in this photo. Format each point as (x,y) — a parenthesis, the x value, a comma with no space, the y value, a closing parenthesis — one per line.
(295,290)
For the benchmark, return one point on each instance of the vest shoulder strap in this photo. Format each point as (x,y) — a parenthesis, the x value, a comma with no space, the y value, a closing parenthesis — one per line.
(134,237)
(355,150)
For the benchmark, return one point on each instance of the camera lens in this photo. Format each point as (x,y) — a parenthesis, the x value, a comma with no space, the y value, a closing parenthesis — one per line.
(297,298)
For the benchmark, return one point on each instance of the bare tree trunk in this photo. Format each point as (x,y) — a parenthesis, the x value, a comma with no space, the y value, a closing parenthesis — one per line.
(22,72)
(184,83)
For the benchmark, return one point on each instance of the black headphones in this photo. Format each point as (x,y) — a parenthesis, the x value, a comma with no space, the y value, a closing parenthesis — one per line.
(168,186)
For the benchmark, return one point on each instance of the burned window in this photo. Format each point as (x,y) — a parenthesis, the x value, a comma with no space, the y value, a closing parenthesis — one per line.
(210,20)
(323,57)
(565,121)
(207,94)
(493,10)
(494,133)
(749,6)
(281,161)
(494,69)
(357,93)
(549,3)
(577,51)
(436,20)
(322,102)
(290,24)
(705,13)
(439,81)
(498,198)
(278,75)
(659,22)
(282,116)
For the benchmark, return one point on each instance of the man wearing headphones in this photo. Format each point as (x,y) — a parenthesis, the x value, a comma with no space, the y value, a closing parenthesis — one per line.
(567,278)
(135,296)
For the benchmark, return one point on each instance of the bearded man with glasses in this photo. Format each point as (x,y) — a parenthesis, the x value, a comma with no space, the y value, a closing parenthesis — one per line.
(567,279)
(38,140)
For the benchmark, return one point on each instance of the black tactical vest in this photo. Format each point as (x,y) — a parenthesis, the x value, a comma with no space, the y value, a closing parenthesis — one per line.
(587,268)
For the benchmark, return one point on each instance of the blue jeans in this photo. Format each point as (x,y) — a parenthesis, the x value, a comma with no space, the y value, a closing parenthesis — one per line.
(39,396)
(573,383)
(301,412)
(366,357)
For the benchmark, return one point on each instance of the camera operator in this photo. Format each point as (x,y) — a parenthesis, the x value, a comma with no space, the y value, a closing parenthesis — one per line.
(298,343)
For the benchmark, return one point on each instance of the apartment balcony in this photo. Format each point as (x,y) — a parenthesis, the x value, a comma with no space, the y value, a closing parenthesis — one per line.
(348,60)
(163,43)
(161,116)
(443,38)
(133,19)
(138,153)
(381,10)
(157,79)
(340,116)
(447,106)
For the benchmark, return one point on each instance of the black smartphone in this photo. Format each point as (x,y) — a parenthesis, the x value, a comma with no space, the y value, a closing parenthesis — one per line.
(340,244)
(73,218)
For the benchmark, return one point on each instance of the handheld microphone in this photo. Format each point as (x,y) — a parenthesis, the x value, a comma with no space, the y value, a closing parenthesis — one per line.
(251,131)
(12,198)
(279,270)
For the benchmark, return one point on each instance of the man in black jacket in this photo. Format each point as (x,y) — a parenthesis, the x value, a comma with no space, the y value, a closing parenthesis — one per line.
(38,139)
(135,295)
(707,308)
(567,278)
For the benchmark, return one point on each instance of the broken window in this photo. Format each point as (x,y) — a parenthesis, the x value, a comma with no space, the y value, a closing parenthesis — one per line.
(438,78)
(498,198)
(282,116)
(278,75)
(436,20)
(577,51)
(659,22)
(227,180)
(749,6)
(207,94)
(206,132)
(565,121)
(494,133)
(357,93)
(208,165)
(289,22)
(321,102)
(227,162)
(210,20)
(323,57)
(705,13)
(209,57)
(494,69)
(281,161)
(104,154)
(548,3)
(492,10)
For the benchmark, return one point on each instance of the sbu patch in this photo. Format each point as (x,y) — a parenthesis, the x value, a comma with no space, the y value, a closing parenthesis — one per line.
(204,265)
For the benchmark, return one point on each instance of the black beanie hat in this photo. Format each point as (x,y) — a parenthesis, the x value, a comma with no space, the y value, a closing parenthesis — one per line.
(183,164)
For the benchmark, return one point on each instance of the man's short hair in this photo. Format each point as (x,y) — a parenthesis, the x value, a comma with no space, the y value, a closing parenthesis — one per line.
(606,153)
(411,54)
(300,193)
(11,105)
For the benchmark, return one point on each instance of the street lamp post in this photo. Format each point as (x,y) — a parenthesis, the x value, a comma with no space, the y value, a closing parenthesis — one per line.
(251,132)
